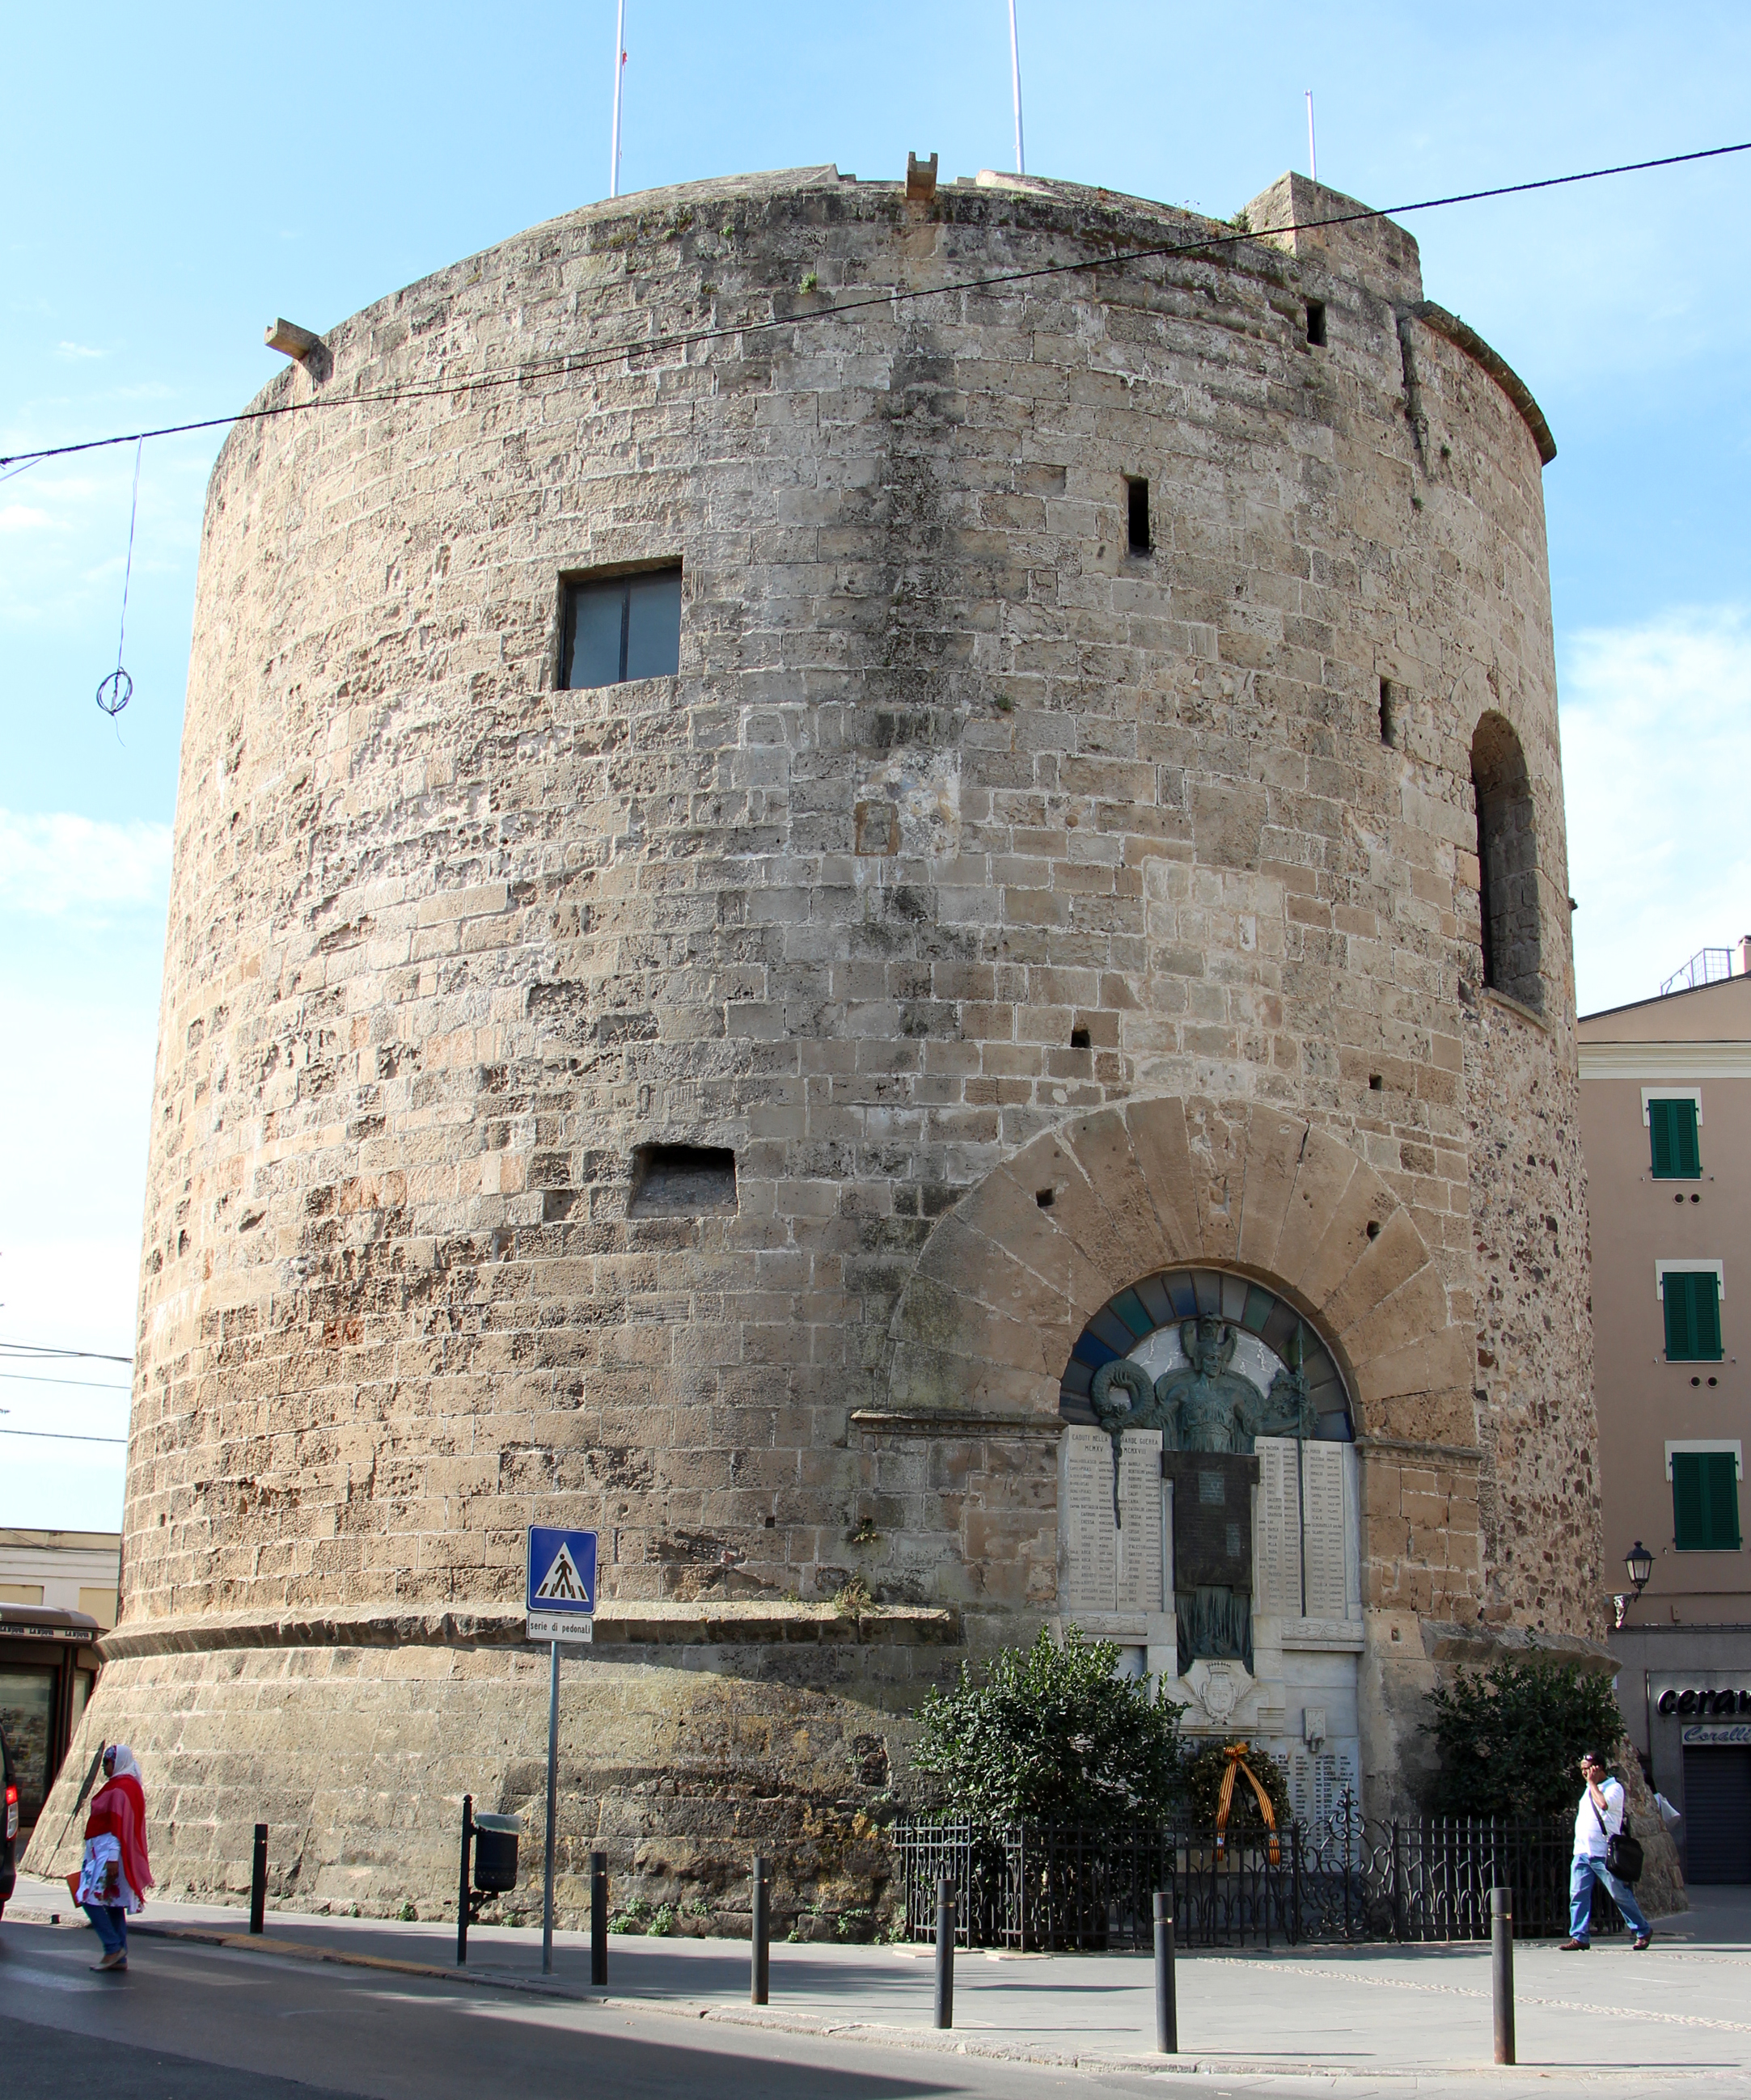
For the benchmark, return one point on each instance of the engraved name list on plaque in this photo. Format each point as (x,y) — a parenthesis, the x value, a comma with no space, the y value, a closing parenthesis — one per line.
(1110,1568)
(1301,1547)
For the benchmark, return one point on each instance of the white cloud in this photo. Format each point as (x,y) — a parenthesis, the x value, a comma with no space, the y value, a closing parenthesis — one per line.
(1656,758)
(76,349)
(21,517)
(54,864)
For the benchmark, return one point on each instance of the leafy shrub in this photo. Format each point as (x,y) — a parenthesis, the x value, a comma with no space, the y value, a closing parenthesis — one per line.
(1052,1735)
(662,1925)
(1204,1770)
(1509,1737)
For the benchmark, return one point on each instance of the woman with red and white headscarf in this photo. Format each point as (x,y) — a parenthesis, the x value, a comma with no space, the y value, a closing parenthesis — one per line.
(114,1874)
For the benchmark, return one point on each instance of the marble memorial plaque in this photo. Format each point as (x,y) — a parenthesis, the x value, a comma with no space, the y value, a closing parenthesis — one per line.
(1106,1570)
(1276,1587)
(1090,1542)
(1323,1487)
(1140,1584)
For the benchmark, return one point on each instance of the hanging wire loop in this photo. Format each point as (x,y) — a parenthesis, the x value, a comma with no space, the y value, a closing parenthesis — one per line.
(115,692)
(118,689)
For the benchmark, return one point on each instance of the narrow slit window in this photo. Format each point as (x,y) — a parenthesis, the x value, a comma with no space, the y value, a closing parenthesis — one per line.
(681,1181)
(1508,901)
(619,628)
(1137,492)
(1673,1140)
(1388,714)
(1316,323)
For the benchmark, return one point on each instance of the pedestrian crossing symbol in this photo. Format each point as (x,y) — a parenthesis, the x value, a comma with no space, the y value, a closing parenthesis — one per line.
(562,1582)
(561,1590)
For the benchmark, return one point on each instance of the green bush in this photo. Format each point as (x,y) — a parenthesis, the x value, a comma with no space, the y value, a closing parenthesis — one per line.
(1052,1735)
(1509,1737)
(1203,1786)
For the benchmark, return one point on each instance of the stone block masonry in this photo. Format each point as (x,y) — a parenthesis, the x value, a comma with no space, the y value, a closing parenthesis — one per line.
(1023,912)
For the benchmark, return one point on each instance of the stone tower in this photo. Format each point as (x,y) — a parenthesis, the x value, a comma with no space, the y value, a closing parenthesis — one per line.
(1005,942)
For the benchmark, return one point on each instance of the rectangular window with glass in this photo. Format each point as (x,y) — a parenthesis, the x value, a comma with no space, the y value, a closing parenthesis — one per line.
(618,628)
(1705,1502)
(1692,1300)
(1672,1132)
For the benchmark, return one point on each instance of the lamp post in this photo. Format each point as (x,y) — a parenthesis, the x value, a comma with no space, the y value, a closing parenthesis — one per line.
(1638,1563)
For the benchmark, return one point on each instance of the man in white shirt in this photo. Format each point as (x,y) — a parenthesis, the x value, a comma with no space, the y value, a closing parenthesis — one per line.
(1598,1819)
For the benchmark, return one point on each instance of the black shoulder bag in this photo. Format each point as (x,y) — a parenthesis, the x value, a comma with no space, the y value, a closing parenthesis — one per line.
(1623,1853)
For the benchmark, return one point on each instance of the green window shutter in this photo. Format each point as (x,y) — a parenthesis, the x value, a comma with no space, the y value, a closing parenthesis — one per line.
(1705,1315)
(1672,1133)
(1693,1315)
(1686,1147)
(1721,1500)
(1705,1502)
(1689,1505)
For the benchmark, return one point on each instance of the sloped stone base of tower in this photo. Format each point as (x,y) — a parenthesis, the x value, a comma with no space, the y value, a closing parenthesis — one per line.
(681,1763)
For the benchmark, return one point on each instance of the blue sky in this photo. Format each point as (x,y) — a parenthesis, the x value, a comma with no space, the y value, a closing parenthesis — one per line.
(175,178)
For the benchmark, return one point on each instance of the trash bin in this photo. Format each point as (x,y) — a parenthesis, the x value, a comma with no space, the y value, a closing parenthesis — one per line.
(495,1852)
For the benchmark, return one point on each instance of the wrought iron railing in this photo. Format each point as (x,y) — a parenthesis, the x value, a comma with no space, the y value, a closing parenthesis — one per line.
(1033,1886)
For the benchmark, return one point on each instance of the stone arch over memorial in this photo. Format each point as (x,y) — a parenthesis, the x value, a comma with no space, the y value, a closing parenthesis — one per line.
(1252,1298)
(1008,1280)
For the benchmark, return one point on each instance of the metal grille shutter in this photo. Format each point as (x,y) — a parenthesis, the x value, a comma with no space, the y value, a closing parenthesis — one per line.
(1717,1815)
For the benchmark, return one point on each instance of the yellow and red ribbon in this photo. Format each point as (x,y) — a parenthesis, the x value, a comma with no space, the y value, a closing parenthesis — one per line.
(1235,1754)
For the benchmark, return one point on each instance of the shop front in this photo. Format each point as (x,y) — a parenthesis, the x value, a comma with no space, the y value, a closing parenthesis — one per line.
(48,1666)
(1699,1724)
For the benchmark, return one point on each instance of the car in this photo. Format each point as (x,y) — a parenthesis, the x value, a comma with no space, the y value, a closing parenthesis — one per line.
(9,1844)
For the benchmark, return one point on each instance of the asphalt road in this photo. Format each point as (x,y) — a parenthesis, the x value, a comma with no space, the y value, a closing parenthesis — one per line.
(194,2022)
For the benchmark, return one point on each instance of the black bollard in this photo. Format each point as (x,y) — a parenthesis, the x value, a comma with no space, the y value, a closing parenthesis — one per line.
(598,1920)
(1501,1970)
(761,1936)
(258,1880)
(1167,2001)
(945,1952)
(461,1896)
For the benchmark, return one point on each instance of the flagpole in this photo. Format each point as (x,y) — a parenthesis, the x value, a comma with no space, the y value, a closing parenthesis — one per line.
(1021,158)
(620,70)
(1313,157)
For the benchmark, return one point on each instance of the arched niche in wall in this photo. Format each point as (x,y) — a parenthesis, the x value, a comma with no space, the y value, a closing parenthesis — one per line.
(1145,1322)
(1507,863)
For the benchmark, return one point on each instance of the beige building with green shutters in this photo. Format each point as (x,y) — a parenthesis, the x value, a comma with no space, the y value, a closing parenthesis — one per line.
(1665,1108)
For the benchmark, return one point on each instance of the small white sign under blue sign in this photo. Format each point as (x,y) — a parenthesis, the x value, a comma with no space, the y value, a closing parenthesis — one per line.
(560,1595)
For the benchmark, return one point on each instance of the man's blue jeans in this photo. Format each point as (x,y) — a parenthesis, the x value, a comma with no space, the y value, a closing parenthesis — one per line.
(111,1921)
(1582,1875)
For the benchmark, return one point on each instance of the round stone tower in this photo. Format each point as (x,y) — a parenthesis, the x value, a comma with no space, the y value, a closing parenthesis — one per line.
(869,890)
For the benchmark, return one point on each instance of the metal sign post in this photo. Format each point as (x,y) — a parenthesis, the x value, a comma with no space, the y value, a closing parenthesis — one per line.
(560,1599)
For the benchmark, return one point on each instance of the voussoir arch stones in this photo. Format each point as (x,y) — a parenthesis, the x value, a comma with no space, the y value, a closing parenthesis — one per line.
(1005,1282)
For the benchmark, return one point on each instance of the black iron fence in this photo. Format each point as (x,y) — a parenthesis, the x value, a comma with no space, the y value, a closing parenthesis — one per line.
(1348,1877)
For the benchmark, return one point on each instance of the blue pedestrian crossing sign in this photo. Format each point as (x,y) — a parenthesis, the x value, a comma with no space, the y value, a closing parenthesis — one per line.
(561,1591)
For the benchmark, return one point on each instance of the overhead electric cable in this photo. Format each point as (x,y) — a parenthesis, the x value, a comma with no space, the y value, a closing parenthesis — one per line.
(61,1437)
(895,295)
(82,1385)
(45,1349)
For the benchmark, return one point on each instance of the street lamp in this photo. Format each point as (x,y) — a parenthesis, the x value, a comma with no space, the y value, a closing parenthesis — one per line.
(1639,1564)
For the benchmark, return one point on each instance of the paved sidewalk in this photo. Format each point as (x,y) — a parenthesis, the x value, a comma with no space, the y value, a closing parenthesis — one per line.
(1682,2009)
